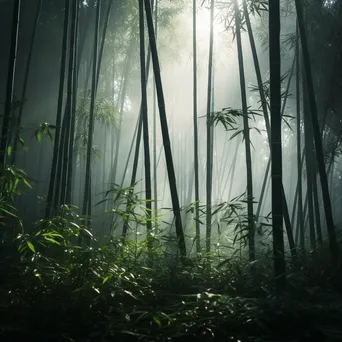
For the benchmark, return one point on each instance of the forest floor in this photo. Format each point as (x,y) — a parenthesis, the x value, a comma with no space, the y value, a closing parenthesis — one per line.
(91,294)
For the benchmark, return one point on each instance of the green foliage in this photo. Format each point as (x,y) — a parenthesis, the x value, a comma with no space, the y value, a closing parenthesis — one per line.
(106,113)
(120,288)
(22,143)
(266,89)
(44,130)
(54,288)
(227,117)
(109,291)
(105,110)
(11,182)
(126,206)
(60,231)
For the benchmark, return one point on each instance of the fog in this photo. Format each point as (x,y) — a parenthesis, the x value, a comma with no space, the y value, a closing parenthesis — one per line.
(120,80)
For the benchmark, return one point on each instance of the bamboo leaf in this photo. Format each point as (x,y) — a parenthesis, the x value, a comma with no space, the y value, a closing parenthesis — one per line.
(236,134)
(53,241)
(31,246)
(38,135)
(157,320)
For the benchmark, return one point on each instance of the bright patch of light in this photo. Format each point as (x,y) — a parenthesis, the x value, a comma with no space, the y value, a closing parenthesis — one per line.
(127,105)
(220,13)
(329,3)
(203,23)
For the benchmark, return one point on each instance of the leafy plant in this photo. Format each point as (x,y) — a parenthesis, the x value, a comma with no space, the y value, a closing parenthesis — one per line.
(11,181)
(44,130)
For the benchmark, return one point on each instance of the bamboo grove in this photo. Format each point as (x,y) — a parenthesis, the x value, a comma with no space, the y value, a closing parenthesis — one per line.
(111,134)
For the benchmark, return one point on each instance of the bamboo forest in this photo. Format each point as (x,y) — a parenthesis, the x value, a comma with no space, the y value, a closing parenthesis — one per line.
(171,170)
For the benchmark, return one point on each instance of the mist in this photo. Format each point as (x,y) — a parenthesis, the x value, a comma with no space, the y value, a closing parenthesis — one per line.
(170,170)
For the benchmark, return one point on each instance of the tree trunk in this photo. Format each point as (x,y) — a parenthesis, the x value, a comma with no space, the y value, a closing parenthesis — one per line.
(276,150)
(251,234)
(86,210)
(286,214)
(74,32)
(263,188)
(109,7)
(165,131)
(309,165)
(155,174)
(233,170)
(137,146)
(26,76)
(299,160)
(316,206)
(54,171)
(69,105)
(130,152)
(334,249)
(209,130)
(267,124)
(147,159)
(137,134)
(5,132)
(124,83)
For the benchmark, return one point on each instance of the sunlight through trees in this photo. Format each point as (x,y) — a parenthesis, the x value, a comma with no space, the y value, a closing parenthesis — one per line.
(171,170)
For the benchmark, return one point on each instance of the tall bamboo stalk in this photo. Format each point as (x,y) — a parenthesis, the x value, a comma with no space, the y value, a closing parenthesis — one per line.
(5,132)
(147,159)
(70,117)
(124,83)
(137,145)
(72,159)
(334,249)
(246,133)
(54,172)
(25,82)
(276,150)
(86,210)
(264,106)
(309,164)
(299,159)
(103,40)
(209,129)
(165,131)
(316,206)
(155,174)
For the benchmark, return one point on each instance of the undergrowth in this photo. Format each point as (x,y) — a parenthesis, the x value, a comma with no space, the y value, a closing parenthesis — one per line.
(55,290)
(60,283)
